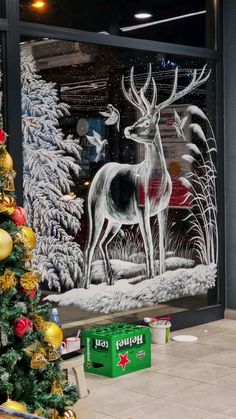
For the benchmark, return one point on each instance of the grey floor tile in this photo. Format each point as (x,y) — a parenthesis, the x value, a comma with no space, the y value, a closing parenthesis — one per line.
(161,361)
(102,416)
(226,323)
(227,381)
(223,341)
(198,370)
(106,381)
(219,416)
(231,412)
(114,400)
(205,396)
(186,350)
(156,384)
(204,330)
(161,409)
(225,357)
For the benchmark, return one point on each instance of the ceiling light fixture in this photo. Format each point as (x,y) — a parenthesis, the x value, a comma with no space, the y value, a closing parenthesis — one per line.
(142,15)
(158,22)
(38,4)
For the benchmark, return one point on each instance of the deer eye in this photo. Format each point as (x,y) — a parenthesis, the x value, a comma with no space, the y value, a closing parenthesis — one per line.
(146,124)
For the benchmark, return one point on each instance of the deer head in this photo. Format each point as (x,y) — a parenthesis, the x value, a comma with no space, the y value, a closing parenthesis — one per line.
(142,130)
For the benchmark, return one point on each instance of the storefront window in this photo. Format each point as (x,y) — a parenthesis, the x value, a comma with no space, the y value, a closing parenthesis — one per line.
(174,21)
(119,174)
(2,86)
(2,8)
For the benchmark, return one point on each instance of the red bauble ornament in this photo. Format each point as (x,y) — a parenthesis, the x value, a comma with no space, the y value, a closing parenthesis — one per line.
(22,326)
(19,216)
(2,136)
(30,293)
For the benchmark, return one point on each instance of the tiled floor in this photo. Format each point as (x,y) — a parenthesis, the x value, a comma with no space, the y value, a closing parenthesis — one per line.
(186,381)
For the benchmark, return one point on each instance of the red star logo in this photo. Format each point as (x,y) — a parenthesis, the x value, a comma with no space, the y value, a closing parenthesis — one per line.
(123,361)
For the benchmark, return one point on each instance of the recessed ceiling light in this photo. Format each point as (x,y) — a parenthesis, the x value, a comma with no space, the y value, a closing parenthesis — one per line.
(38,4)
(142,15)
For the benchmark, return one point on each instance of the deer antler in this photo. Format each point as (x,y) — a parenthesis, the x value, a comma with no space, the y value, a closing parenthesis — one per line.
(136,97)
(195,82)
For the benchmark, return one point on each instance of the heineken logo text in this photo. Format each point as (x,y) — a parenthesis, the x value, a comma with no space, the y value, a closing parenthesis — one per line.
(100,344)
(129,342)
(88,350)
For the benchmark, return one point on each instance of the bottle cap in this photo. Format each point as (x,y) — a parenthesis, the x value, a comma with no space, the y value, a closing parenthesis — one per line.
(54,311)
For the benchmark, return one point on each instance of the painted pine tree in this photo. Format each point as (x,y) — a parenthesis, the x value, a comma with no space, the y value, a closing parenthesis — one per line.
(51,163)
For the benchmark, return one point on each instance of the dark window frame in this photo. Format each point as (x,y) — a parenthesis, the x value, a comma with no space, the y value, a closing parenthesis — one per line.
(12,29)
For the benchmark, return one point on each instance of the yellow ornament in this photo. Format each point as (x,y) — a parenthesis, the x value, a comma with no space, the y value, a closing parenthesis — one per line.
(17,406)
(6,244)
(29,236)
(29,281)
(54,335)
(69,414)
(56,387)
(6,161)
(7,280)
(7,204)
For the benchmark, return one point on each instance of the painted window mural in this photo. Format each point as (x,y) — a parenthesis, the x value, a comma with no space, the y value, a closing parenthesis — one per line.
(119,174)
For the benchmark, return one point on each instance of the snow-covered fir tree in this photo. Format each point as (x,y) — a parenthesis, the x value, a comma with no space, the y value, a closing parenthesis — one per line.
(51,162)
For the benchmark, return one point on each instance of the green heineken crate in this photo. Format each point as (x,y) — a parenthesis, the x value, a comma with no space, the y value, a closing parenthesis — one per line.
(117,349)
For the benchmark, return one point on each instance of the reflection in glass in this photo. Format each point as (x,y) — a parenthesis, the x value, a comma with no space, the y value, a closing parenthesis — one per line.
(174,21)
(120,177)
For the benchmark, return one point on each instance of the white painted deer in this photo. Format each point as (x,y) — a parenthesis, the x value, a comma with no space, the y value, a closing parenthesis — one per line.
(114,194)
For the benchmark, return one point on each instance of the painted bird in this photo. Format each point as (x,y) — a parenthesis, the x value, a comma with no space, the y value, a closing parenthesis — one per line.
(96,140)
(113,116)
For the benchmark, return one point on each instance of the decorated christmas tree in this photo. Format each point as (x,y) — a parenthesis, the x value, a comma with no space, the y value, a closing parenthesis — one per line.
(51,166)
(30,376)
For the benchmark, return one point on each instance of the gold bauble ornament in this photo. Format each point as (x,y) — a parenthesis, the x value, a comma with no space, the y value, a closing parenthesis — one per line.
(29,281)
(7,280)
(6,161)
(7,204)
(53,335)
(30,237)
(6,244)
(69,414)
(17,406)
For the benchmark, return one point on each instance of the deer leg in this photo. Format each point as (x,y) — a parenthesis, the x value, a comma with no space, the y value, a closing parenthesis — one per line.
(96,222)
(162,221)
(111,230)
(145,228)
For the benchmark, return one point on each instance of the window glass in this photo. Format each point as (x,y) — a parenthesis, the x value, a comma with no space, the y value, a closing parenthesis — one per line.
(2,8)
(2,125)
(119,174)
(174,21)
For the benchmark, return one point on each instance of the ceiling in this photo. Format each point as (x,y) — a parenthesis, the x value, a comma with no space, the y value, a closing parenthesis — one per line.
(112,15)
